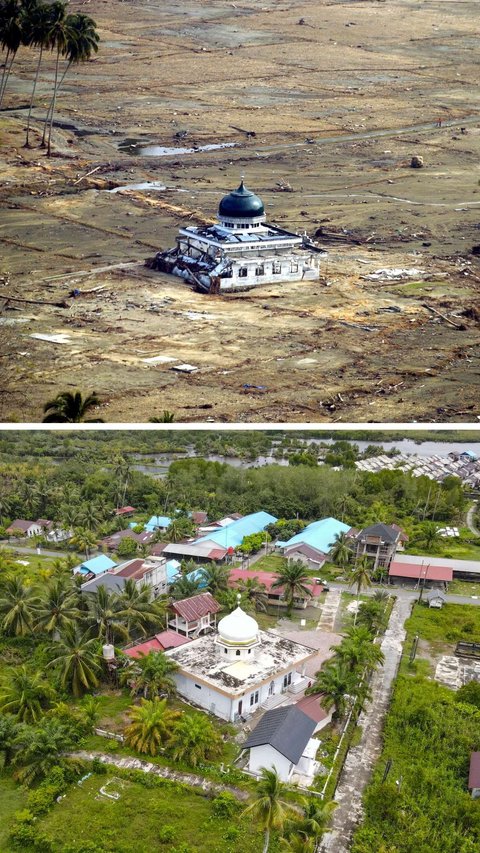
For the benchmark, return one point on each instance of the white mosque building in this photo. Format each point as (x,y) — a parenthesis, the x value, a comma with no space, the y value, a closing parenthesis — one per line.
(241,251)
(235,671)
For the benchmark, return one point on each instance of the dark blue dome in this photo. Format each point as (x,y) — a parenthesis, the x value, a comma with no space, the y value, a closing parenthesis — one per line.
(241,204)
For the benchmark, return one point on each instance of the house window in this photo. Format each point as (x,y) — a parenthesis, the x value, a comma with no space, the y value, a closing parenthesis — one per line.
(226,651)
(243,272)
(287,679)
(198,686)
(226,274)
(276,268)
(260,270)
(293,267)
(249,651)
(254,698)
(237,653)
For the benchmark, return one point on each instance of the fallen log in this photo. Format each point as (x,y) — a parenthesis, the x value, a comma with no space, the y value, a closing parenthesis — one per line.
(460,326)
(62,304)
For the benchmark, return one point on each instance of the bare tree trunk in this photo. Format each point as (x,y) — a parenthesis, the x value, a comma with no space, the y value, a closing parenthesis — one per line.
(2,82)
(51,105)
(27,141)
(49,144)
(266,843)
(6,74)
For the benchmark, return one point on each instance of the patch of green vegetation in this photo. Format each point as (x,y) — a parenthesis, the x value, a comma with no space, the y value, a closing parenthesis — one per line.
(454,549)
(12,799)
(451,623)
(268,563)
(135,820)
(464,588)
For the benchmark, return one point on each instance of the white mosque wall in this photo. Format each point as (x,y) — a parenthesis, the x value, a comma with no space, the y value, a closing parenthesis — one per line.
(205,696)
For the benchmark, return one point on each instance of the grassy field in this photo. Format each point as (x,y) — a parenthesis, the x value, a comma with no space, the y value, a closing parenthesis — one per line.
(439,631)
(136,821)
(464,588)
(12,799)
(268,563)
(455,549)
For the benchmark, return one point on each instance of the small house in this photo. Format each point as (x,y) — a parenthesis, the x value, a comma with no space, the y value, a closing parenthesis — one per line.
(282,741)
(436,598)
(25,528)
(474,775)
(95,566)
(194,616)
(125,511)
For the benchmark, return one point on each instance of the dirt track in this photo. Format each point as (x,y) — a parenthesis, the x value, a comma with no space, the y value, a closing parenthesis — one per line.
(365,82)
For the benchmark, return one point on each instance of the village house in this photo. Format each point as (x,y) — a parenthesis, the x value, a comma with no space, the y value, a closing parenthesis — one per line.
(275,595)
(241,251)
(151,571)
(239,668)
(194,616)
(283,741)
(50,530)
(112,542)
(303,553)
(380,543)
(125,511)
(158,523)
(410,570)
(95,566)
(319,537)
(161,642)
(26,528)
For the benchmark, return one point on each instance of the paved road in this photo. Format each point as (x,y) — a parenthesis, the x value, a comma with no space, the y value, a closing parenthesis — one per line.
(362,758)
(403,594)
(44,552)
(469,519)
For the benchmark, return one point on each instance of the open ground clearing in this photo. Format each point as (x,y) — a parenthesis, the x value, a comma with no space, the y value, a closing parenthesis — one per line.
(366,82)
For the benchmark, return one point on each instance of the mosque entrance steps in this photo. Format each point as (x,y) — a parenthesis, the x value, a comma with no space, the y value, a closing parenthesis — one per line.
(299,686)
(275,701)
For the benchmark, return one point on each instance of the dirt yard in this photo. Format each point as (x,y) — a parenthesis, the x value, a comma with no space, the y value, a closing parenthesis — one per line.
(340,96)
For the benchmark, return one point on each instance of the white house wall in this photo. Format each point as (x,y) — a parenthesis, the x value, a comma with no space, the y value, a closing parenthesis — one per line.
(267,756)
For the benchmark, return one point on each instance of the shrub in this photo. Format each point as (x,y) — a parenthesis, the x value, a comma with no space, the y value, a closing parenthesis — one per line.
(24,835)
(225,805)
(99,767)
(166,834)
(232,833)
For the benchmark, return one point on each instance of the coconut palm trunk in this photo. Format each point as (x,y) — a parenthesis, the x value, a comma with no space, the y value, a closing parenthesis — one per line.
(54,99)
(266,842)
(6,74)
(27,138)
(51,106)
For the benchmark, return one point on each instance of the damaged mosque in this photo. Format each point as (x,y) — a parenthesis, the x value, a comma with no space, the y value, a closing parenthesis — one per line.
(241,251)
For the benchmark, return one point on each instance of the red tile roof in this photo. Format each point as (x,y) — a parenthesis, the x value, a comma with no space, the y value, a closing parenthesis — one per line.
(124,510)
(199,517)
(267,578)
(159,643)
(194,608)
(474,775)
(310,705)
(420,570)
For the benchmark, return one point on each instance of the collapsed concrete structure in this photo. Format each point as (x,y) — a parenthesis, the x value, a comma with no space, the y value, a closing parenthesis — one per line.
(241,251)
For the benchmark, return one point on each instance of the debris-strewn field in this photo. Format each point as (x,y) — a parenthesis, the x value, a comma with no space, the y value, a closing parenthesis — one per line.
(336,98)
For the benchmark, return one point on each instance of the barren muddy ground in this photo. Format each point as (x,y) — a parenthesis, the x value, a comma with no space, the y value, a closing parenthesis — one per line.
(365,83)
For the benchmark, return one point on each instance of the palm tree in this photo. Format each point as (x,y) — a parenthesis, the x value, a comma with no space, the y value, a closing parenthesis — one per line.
(5,507)
(255,593)
(25,694)
(178,529)
(76,38)
(90,516)
(185,588)
(29,496)
(341,553)
(298,844)
(166,418)
(17,607)
(57,608)
(84,540)
(295,580)
(38,28)
(71,408)
(137,608)
(269,808)
(9,730)
(40,749)
(314,818)
(151,675)
(90,707)
(151,725)
(358,651)
(430,534)
(103,615)
(215,578)
(11,36)
(361,575)
(335,682)
(195,740)
(76,655)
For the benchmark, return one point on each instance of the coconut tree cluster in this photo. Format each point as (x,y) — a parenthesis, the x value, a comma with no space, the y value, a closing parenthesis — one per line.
(45,28)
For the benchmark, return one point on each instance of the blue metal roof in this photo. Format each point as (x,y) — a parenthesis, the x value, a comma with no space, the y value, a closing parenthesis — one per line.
(97,565)
(232,535)
(157,521)
(172,568)
(319,534)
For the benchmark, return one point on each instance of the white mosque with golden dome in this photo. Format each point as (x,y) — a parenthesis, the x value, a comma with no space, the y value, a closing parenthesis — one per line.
(241,251)
(239,669)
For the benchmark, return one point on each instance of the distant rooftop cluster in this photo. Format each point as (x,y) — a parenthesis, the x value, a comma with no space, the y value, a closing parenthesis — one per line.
(464,465)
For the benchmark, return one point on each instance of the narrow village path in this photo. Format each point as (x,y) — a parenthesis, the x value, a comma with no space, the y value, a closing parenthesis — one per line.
(361,759)
(192,779)
(329,610)
(469,519)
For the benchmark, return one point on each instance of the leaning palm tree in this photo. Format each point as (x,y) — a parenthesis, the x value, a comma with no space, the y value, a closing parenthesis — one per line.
(57,607)
(38,29)
(76,39)
(71,408)
(151,675)
(151,725)
(11,36)
(195,740)
(269,808)
(25,694)
(17,607)
(335,683)
(295,580)
(76,658)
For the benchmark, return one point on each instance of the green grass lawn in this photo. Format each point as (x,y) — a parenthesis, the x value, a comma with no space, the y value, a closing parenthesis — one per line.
(268,563)
(440,630)
(464,588)
(454,549)
(134,821)
(12,799)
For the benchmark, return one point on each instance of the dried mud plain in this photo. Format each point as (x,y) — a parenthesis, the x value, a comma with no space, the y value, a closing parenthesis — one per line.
(365,83)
